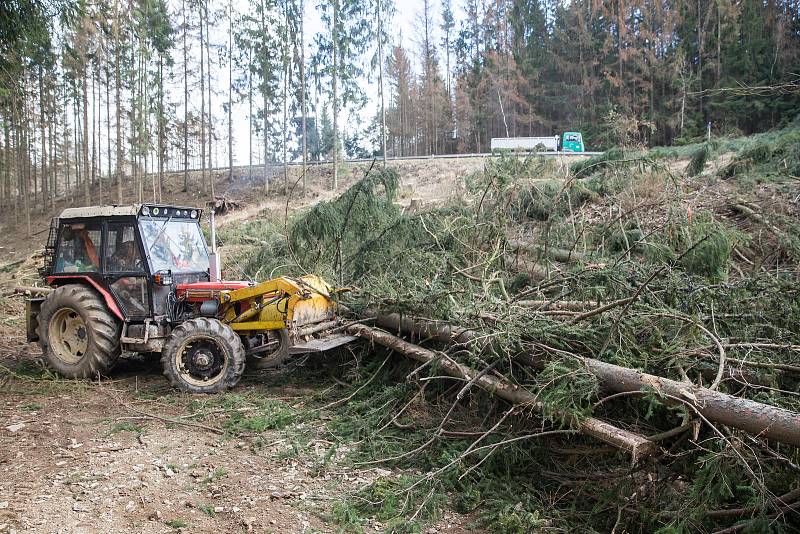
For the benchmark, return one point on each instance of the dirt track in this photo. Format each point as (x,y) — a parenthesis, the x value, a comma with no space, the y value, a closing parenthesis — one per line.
(82,457)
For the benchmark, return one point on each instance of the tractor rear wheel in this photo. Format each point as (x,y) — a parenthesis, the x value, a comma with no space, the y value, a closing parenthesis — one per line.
(79,336)
(203,355)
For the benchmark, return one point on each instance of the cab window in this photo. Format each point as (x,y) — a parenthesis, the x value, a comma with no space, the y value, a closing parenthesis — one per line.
(122,251)
(174,245)
(79,248)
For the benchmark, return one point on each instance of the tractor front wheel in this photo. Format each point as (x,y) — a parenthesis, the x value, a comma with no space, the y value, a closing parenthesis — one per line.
(203,356)
(78,334)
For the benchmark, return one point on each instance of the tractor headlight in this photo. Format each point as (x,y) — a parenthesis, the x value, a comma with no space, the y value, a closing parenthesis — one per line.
(156,211)
(194,214)
(145,210)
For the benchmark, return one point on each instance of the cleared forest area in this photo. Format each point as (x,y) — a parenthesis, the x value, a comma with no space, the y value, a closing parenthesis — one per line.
(535,344)
(606,344)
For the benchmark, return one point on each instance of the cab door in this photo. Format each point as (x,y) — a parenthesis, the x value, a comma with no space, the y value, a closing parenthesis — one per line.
(125,270)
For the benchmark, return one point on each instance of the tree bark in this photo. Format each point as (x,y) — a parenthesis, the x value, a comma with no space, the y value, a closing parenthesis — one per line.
(335,42)
(264,90)
(380,79)
(202,108)
(108,129)
(753,417)
(286,52)
(304,109)
(161,126)
(558,254)
(230,91)
(250,114)
(185,101)
(43,158)
(86,174)
(638,446)
(210,116)
(97,167)
(117,101)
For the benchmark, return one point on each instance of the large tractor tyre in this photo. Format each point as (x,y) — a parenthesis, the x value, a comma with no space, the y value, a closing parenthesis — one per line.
(79,336)
(273,357)
(203,356)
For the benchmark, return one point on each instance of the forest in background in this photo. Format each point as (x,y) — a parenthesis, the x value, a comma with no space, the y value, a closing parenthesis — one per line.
(98,97)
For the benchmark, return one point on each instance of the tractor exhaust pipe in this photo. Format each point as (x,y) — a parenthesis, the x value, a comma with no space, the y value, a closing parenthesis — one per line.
(213,258)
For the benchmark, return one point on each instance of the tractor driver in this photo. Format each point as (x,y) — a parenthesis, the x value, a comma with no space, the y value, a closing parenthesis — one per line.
(125,259)
(83,251)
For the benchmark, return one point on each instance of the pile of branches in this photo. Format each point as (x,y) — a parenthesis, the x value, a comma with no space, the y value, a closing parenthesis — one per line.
(626,369)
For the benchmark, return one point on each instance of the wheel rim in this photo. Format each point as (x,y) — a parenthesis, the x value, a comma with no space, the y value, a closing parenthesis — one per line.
(201,361)
(69,337)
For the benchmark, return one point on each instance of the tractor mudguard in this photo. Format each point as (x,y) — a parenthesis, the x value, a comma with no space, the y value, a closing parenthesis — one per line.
(59,280)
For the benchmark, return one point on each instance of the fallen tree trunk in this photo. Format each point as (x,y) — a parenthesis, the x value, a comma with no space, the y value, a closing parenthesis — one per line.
(558,305)
(637,445)
(753,417)
(558,254)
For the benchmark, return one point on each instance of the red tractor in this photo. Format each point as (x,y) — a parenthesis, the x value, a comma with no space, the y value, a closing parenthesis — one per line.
(141,278)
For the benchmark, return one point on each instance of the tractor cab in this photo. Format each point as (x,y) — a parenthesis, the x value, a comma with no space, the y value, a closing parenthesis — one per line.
(131,254)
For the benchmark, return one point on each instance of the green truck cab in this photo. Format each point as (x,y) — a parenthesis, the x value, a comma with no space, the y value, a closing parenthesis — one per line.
(572,142)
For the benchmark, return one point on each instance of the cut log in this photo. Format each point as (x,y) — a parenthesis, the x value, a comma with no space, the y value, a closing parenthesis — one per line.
(30,290)
(558,254)
(753,417)
(638,446)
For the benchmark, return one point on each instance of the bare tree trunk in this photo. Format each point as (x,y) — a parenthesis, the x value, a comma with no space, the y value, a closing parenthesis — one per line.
(202,107)
(335,76)
(26,184)
(230,91)
(250,115)
(44,153)
(266,107)
(380,79)
(108,129)
(285,95)
(65,145)
(5,183)
(77,150)
(161,126)
(52,129)
(304,110)
(117,101)
(185,102)
(97,169)
(210,116)
(18,156)
(84,141)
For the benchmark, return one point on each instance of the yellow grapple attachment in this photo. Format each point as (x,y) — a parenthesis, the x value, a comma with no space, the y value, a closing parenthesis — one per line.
(300,305)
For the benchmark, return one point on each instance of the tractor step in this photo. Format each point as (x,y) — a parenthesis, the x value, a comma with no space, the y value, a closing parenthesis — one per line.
(322,344)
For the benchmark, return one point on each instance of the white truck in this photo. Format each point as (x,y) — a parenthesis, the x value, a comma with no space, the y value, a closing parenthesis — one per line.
(525,144)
